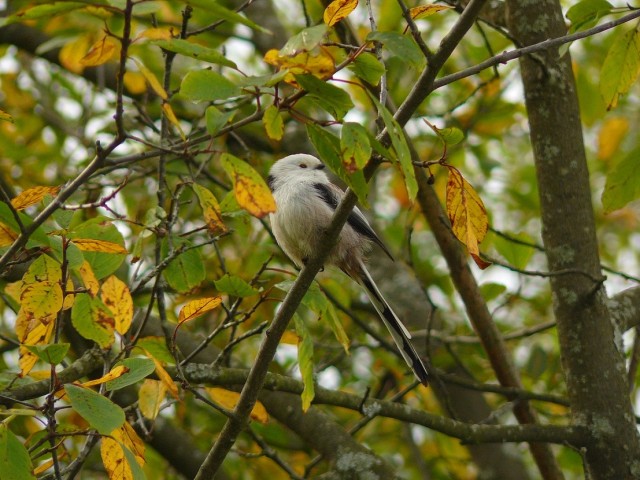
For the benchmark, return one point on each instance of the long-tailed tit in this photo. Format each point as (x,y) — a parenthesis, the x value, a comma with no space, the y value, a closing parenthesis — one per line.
(305,203)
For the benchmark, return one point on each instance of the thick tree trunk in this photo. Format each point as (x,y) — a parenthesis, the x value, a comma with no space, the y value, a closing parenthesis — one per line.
(590,345)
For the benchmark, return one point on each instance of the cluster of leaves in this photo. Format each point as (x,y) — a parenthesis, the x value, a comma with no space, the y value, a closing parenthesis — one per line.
(200,259)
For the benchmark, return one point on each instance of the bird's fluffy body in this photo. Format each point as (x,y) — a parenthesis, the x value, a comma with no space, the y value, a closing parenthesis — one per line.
(305,203)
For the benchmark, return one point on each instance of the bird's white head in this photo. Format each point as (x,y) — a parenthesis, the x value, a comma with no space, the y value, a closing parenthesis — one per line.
(300,168)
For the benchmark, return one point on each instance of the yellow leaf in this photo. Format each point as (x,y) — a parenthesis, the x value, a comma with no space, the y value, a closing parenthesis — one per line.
(318,62)
(6,117)
(150,397)
(69,298)
(13,289)
(72,52)
(289,337)
(113,374)
(43,467)
(157,34)
(251,191)
(40,334)
(115,295)
(337,10)
(92,245)
(466,212)
(101,52)
(135,83)
(273,123)
(165,378)
(613,131)
(114,460)
(168,112)
(198,307)
(41,300)
(88,278)
(7,236)
(33,195)
(133,442)
(229,400)
(151,80)
(210,209)
(423,11)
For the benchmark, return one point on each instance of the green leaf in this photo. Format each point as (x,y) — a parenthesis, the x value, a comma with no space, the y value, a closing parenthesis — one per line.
(139,368)
(136,469)
(216,120)
(621,67)
(451,135)
(585,14)
(492,290)
(157,348)
(186,271)
(37,239)
(328,147)
(207,86)
(401,46)
(262,80)
(623,183)
(100,228)
(53,354)
(329,97)
(93,319)
(101,413)
(402,152)
(305,361)
(355,146)
(304,41)
(15,462)
(73,254)
(273,123)
(516,254)
(193,50)
(223,13)
(368,68)
(234,286)
(44,11)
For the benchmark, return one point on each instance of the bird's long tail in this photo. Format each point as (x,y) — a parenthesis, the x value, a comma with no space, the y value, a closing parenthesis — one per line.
(398,331)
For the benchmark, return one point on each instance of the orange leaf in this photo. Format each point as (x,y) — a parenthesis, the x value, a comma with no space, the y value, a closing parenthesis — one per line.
(91,245)
(466,212)
(135,83)
(198,307)
(7,236)
(150,397)
(113,374)
(337,10)
(33,195)
(115,295)
(229,400)
(290,338)
(210,209)
(251,191)
(612,133)
(40,334)
(101,52)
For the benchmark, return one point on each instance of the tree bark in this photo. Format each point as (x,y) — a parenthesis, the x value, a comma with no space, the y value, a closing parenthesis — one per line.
(589,340)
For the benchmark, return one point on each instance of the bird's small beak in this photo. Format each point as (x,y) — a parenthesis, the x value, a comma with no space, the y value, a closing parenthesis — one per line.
(320,167)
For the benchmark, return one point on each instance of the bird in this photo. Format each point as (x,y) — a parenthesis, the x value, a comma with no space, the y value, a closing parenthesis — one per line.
(305,203)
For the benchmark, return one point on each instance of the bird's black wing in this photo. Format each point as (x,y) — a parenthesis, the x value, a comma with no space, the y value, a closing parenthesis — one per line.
(330,194)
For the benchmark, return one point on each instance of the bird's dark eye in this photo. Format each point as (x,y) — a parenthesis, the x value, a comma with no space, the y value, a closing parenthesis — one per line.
(303,165)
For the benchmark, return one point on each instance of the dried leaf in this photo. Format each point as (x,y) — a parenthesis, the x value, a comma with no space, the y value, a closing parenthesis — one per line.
(165,378)
(7,236)
(466,212)
(423,11)
(114,373)
(88,278)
